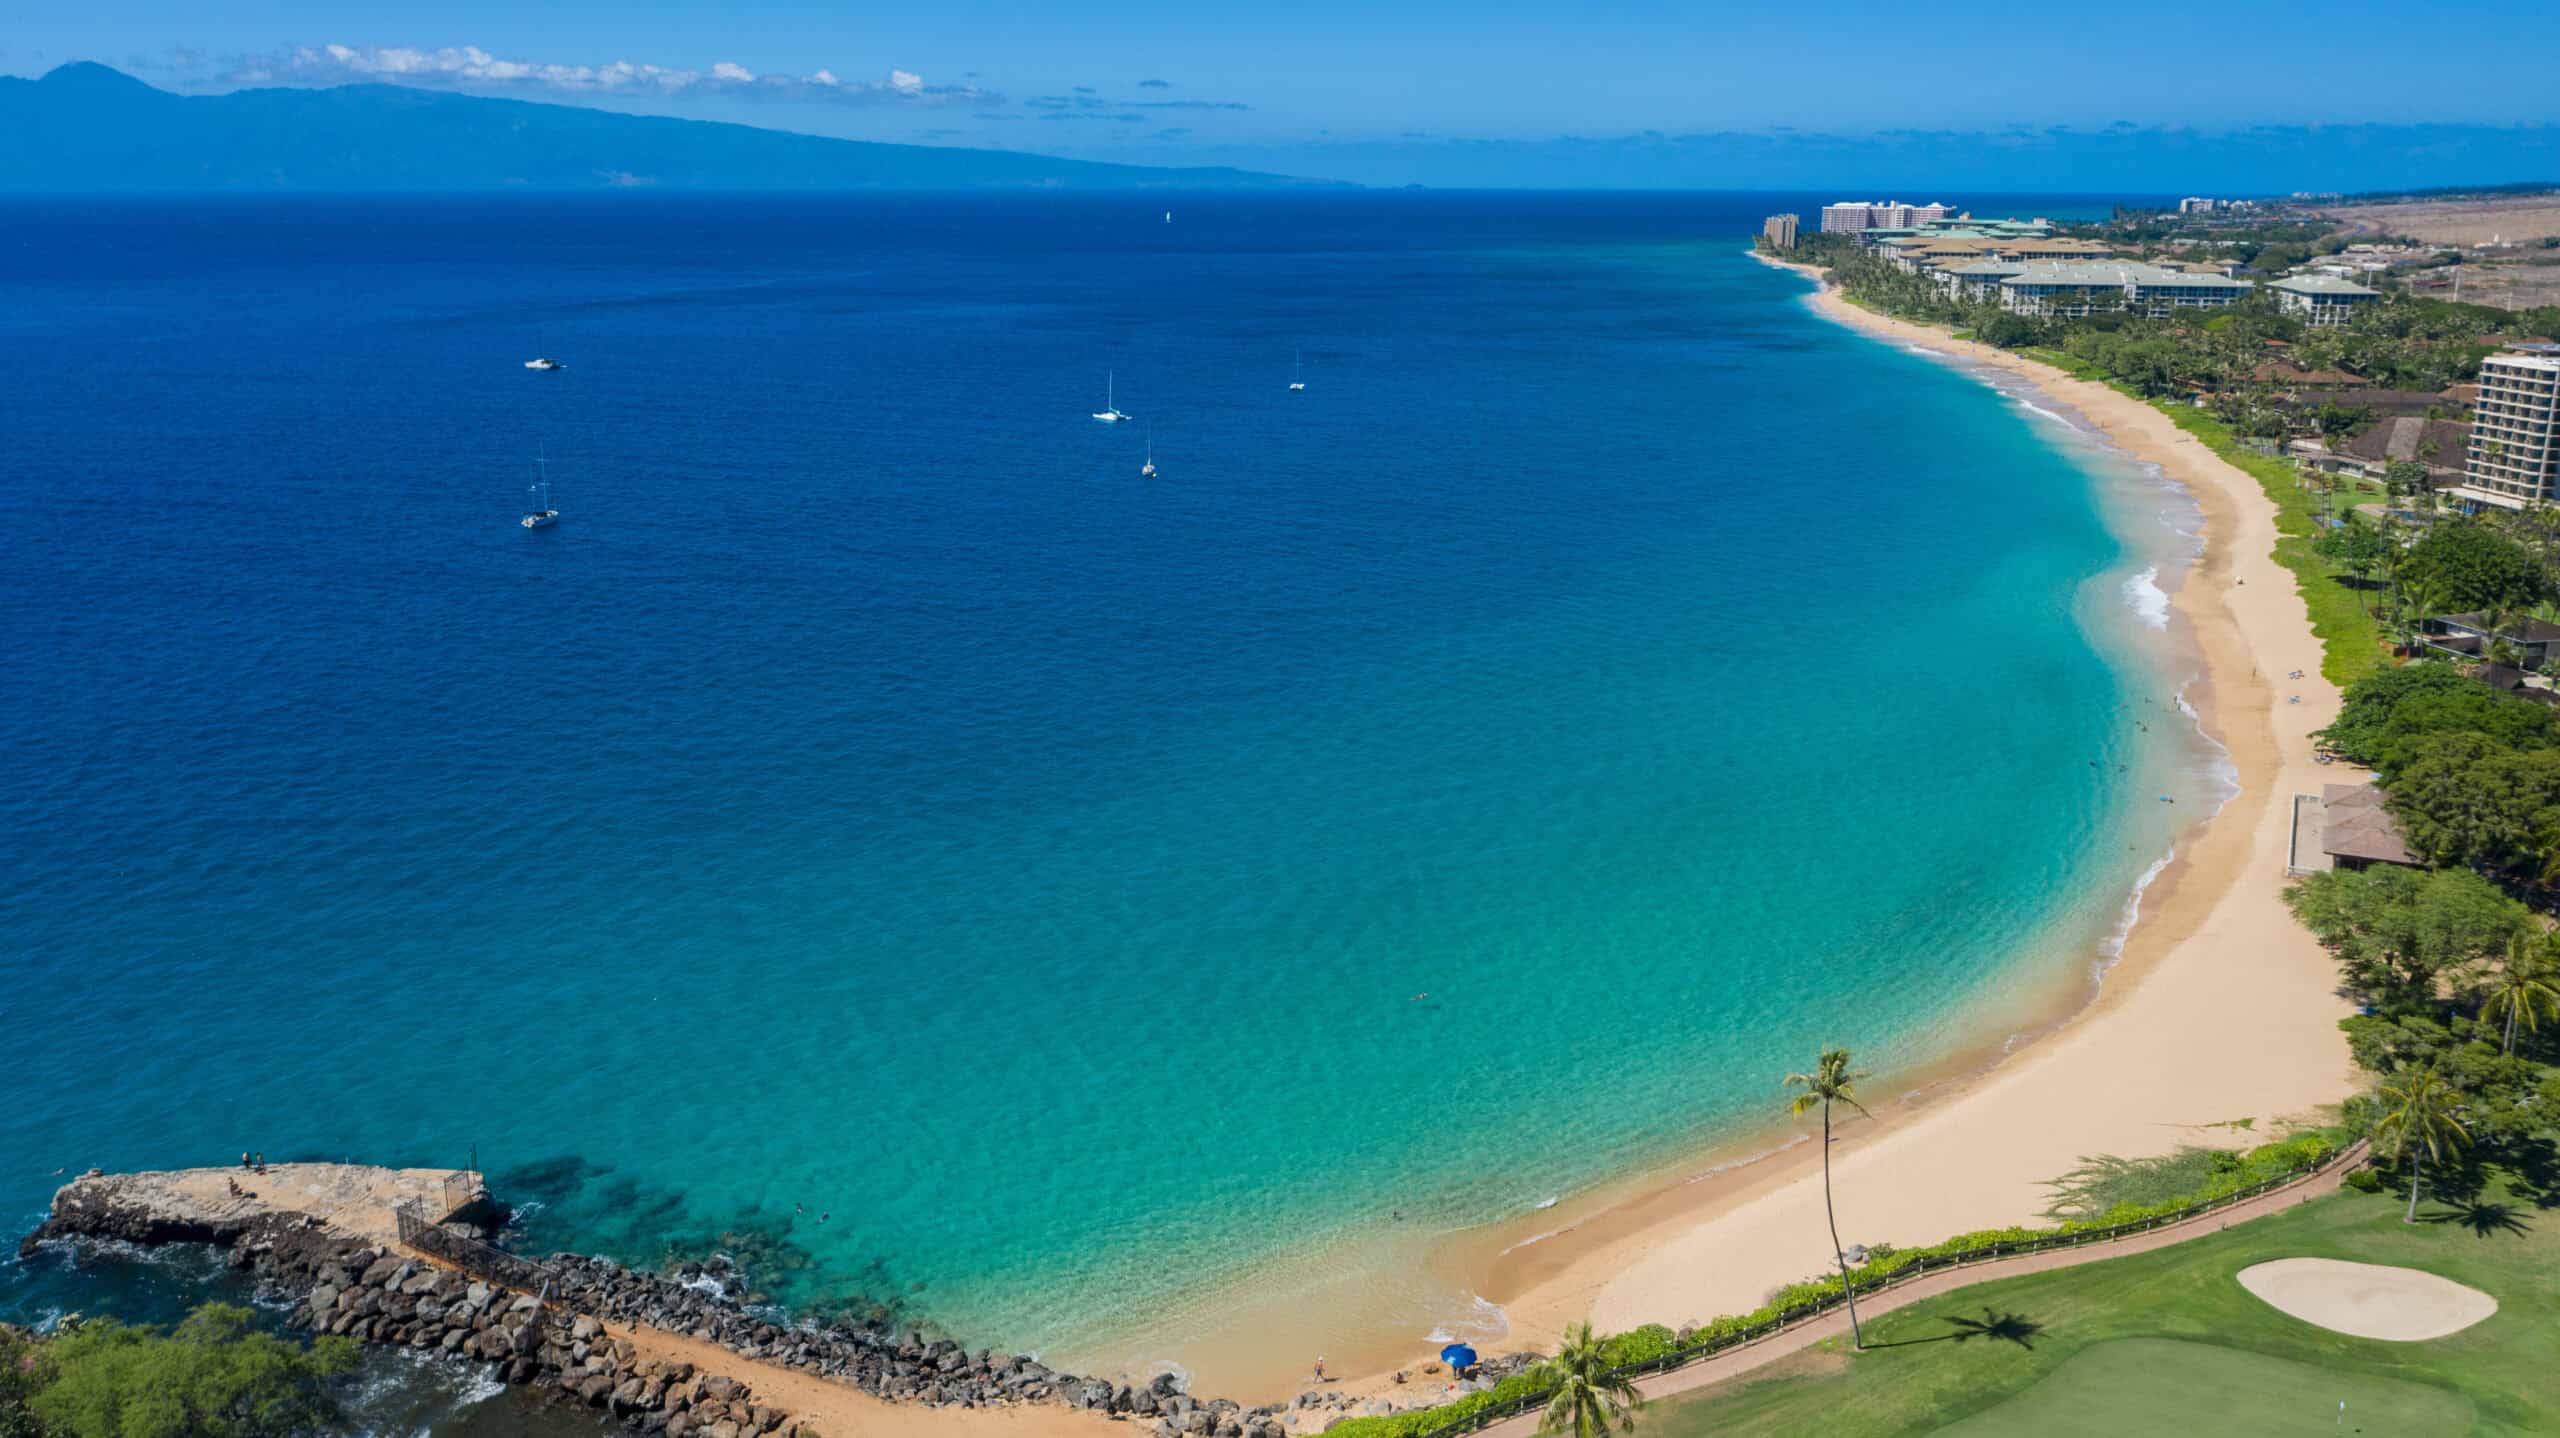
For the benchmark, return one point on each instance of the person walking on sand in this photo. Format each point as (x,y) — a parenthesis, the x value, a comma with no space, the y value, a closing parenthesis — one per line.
(1320,1378)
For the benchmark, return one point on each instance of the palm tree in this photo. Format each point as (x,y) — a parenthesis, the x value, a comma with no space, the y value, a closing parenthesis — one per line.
(1831,1082)
(2420,1124)
(2419,602)
(2522,991)
(1590,1398)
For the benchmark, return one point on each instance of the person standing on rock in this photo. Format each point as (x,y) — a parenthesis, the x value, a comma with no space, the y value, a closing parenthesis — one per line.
(244,1158)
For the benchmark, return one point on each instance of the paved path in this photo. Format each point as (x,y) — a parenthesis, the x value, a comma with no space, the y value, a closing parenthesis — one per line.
(1733,1363)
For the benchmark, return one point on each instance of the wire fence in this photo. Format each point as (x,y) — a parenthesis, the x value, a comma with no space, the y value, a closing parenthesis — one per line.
(1493,1413)
(471,1255)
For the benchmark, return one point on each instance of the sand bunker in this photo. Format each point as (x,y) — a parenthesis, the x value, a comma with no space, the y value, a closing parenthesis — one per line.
(2368,1300)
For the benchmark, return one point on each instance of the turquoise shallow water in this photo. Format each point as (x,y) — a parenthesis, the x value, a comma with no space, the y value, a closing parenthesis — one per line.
(876,801)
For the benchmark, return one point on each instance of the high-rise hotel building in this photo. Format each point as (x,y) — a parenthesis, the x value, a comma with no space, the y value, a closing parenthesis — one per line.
(2515,457)
(1852,216)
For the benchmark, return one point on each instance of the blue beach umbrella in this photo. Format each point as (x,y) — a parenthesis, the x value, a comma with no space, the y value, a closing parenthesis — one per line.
(1458,1355)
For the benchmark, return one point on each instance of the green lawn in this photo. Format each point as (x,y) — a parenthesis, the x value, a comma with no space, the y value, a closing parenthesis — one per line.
(2169,1342)
(2135,1387)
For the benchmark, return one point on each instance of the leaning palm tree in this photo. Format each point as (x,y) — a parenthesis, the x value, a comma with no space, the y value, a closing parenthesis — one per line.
(2520,990)
(1590,1397)
(1831,1082)
(2419,1124)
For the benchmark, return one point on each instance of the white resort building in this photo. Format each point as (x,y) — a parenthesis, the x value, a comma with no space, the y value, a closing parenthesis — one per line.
(1979,282)
(1854,216)
(2321,299)
(2513,461)
(2084,288)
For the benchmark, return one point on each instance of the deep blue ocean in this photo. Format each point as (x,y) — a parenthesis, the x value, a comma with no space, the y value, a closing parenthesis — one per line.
(1479,774)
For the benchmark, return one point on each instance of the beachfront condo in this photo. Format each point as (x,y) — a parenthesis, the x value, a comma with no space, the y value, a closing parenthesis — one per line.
(1976,283)
(2513,461)
(1851,217)
(2069,290)
(1780,231)
(2322,300)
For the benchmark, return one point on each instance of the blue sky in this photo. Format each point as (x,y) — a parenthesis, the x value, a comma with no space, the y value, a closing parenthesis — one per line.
(1288,83)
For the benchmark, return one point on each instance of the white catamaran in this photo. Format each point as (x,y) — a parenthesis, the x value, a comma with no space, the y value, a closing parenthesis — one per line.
(1110,411)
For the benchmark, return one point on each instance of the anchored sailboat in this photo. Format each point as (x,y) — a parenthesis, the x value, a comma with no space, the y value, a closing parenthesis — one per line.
(1297,378)
(1110,411)
(542,515)
(1148,470)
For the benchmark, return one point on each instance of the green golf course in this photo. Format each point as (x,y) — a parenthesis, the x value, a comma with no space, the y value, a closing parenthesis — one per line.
(2168,1342)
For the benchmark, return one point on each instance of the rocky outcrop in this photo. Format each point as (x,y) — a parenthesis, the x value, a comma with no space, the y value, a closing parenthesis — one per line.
(351,1288)
(319,1236)
(542,1324)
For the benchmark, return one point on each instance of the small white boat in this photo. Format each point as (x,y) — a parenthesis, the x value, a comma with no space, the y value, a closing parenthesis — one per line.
(1148,470)
(1168,217)
(1295,371)
(543,363)
(542,515)
(1110,411)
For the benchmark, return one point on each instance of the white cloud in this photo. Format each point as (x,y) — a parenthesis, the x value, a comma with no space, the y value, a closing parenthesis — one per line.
(468,67)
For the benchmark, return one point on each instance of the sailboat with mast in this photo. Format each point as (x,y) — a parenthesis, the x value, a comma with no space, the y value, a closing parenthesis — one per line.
(542,515)
(1110,411)
(1297,370)
(1148,470)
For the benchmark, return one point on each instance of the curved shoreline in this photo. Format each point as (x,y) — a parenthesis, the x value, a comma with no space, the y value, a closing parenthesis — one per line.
(2219,1009)
(2163,1045)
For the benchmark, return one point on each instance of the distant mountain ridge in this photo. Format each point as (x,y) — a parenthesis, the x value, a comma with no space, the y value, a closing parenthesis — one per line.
(89,127)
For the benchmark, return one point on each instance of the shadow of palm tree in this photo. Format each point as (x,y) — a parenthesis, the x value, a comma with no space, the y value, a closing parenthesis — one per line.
(2483,1218)
(2014,1328)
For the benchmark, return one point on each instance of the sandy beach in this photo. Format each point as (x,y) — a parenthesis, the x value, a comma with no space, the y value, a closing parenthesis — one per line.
(2222,1009)
(2217,1024)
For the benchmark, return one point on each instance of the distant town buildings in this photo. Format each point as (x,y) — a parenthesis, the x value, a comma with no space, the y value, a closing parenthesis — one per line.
(1856,216)
(2078,288)
(2322,300)
(1779,231)
(2513,461)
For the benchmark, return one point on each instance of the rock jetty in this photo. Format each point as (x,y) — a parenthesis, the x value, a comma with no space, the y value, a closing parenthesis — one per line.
(321,1237)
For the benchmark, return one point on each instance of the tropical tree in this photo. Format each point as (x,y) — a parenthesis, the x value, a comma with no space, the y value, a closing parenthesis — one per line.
(1590,1397)
(213,1376)
(2520,991)
(2404,479)
(1831,1082)
(2419,1123)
